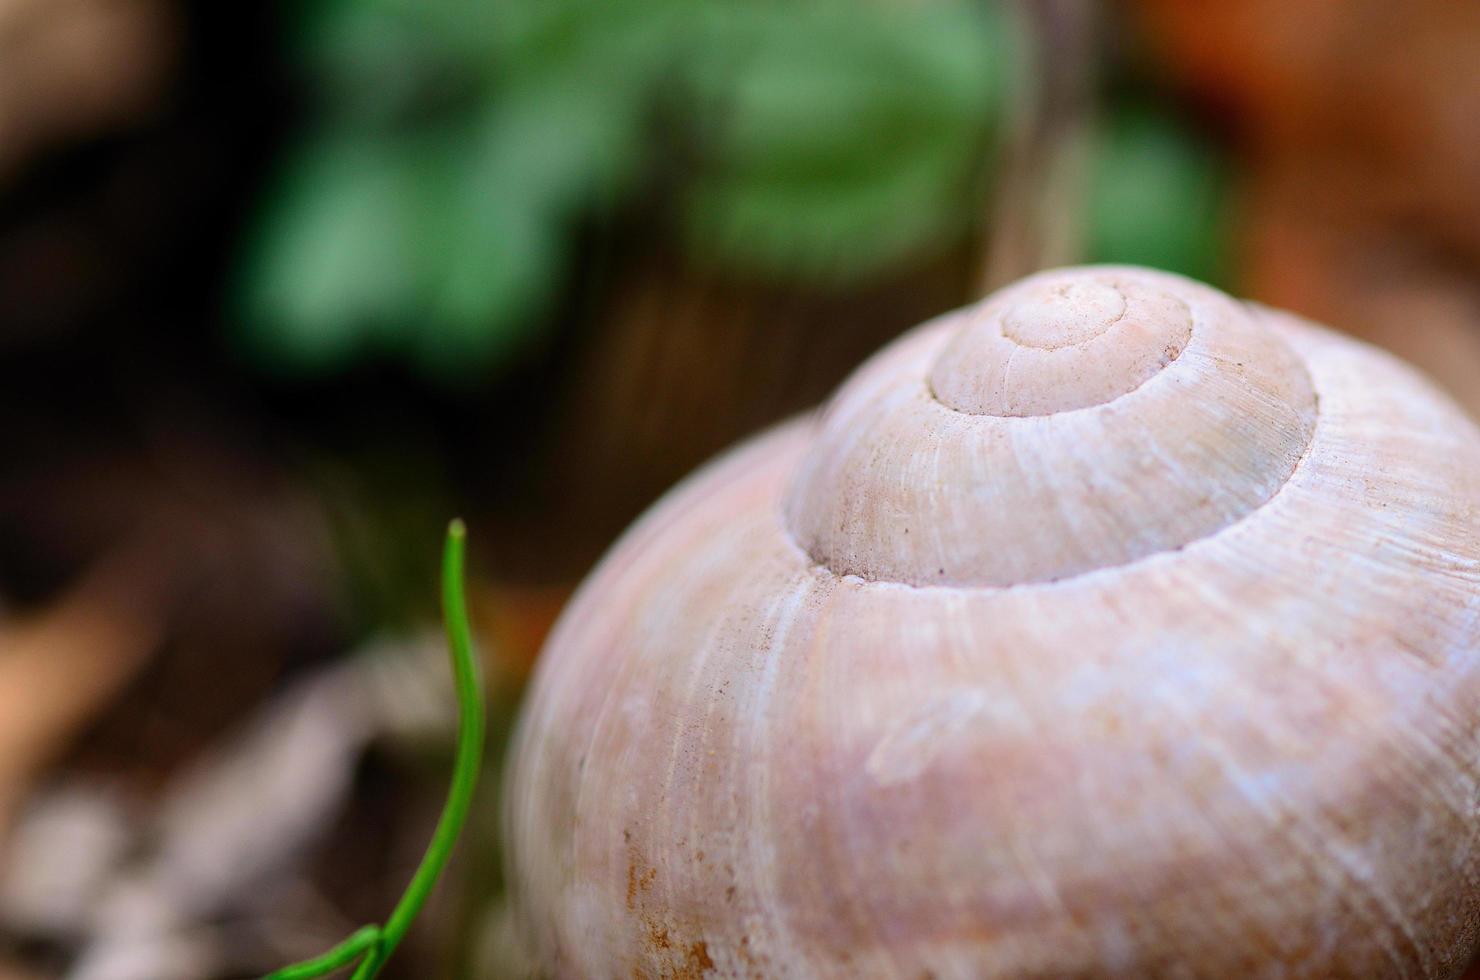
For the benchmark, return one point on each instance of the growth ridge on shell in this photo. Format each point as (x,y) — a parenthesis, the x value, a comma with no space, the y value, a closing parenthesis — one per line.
(1077,420)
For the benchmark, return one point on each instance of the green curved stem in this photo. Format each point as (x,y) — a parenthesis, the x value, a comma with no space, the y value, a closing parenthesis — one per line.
(374,943)
(360,941)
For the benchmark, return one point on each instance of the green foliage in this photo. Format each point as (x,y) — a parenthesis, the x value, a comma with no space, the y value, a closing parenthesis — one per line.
(428,210)
(848,135)
(1158,197)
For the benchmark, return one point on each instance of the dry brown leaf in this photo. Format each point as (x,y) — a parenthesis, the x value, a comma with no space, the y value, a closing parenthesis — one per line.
(77,67)
(1353,272)
(59,667)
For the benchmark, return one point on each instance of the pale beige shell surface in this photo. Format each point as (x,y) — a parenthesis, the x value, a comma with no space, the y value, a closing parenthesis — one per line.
(1037,653)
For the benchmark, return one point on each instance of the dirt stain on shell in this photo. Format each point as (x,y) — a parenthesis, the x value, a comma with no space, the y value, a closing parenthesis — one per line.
(674,958)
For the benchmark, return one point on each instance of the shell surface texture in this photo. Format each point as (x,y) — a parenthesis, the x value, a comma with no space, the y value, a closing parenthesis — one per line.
(1108,627)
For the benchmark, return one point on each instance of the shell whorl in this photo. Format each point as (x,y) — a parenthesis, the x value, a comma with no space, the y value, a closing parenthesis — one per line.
(1078,420)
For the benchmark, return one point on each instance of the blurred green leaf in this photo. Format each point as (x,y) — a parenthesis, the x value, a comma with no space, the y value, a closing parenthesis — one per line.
(1158,197)
(844,229)
(375,62)
(520,178)
(847,135)
(429,212)
(595,46)
(334,250)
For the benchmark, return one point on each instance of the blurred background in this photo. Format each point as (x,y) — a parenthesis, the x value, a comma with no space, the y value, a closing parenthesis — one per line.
(284,286)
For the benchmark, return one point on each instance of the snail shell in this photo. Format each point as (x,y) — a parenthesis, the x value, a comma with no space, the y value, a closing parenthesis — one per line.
(1110,627)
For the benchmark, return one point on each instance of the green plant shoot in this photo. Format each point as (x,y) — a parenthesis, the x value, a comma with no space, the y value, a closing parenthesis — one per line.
(371,946)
